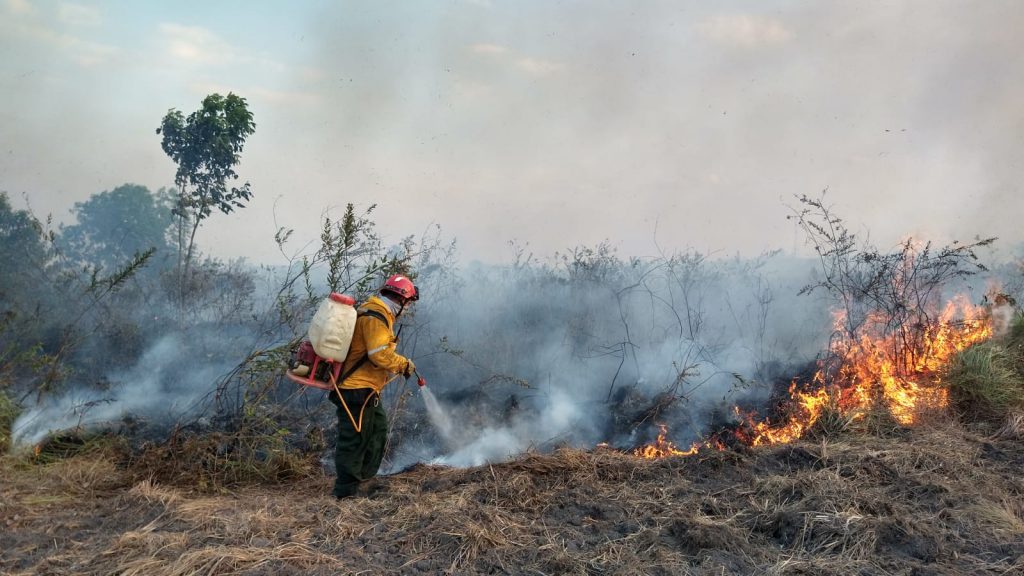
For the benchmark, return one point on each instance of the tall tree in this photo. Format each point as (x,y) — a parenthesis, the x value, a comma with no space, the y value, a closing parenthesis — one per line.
(206,146)
(112,226)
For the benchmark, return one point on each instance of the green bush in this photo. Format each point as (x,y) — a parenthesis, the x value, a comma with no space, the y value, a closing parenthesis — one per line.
(986,380)
(1015,342)
(8,413)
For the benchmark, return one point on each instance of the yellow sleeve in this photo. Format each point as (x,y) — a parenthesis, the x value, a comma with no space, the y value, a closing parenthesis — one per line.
(380,346)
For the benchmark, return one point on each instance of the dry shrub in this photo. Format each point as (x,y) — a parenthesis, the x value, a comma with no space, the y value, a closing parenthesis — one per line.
(221,461)
(149,543)
(93,467)
(77,442)
(815,513)
(150,491)
(1001,518)
(878,422)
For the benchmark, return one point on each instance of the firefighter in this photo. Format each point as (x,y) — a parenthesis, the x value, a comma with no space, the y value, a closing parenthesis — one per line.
(362,423)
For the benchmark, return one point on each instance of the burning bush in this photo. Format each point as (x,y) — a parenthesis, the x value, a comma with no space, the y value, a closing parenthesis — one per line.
(895,329)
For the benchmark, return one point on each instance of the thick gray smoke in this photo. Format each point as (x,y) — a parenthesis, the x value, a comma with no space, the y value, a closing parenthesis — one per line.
(572,353)
(581,349)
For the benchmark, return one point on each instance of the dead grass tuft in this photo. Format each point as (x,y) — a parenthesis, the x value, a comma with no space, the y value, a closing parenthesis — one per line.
(150,491)
(83,475)
(232,560)
(1012,427)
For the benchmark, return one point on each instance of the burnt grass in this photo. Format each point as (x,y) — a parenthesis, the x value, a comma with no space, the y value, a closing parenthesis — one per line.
(933,500)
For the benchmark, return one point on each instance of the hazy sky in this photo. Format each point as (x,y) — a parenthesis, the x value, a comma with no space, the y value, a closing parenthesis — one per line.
(664,123)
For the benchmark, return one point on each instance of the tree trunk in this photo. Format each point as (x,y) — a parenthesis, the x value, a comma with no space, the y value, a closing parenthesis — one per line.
(191,245)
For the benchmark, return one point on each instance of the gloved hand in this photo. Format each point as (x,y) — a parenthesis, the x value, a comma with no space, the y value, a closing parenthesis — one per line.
(409,369)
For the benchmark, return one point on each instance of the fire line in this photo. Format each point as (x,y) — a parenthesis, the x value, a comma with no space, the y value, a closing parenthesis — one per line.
(897,370)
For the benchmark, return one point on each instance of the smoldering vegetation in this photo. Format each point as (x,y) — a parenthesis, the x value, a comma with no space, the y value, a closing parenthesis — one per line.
(569,349)
(153,431)
(587,347)
(104,335)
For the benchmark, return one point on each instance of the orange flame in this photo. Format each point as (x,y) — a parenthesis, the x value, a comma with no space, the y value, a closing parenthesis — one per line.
(881,368)
(898,371)
(663,448)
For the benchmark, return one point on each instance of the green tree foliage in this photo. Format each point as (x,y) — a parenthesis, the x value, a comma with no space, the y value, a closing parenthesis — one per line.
(206,146)
(24,255)
(114,226)
(27,292)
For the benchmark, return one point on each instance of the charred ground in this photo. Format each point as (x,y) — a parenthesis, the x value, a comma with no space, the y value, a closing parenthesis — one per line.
(937,499)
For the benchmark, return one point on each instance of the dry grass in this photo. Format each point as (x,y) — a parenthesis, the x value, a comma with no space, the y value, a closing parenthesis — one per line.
(938,499)
(217,462)
(1012,428)
(87,475)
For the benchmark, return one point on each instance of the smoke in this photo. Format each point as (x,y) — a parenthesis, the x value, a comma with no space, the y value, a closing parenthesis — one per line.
(498,119)
(1002,317)
(162,386)
(591,348)
(575,352)
(692,117)
(583,348)
(490,445)
(471,446)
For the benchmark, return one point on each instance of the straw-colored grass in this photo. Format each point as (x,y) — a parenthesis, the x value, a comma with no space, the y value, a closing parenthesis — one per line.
(938,499)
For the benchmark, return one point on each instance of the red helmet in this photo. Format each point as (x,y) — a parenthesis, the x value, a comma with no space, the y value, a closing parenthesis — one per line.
(402,286)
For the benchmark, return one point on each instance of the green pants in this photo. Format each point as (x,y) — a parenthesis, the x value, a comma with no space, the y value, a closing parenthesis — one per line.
(357,455)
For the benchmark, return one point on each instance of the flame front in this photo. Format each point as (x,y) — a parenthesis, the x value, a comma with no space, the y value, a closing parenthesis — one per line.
(663,448)
(898,370)
(895,370)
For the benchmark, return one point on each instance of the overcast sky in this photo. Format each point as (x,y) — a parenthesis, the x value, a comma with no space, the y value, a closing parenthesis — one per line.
(668,124)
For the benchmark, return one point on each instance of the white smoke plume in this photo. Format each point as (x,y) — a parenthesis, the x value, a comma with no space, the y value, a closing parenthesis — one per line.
(163,385)
(535,358)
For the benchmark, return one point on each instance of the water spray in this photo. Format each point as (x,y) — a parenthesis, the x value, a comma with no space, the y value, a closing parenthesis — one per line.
(438,417)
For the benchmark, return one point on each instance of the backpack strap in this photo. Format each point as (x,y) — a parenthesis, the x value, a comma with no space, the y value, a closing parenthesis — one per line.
(359,364)
(336,393)
(375,314)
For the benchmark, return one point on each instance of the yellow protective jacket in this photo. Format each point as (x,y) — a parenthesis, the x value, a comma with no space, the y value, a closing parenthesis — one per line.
(377,340)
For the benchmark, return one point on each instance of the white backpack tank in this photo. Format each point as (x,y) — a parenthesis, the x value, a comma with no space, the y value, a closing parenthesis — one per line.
(330,331)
